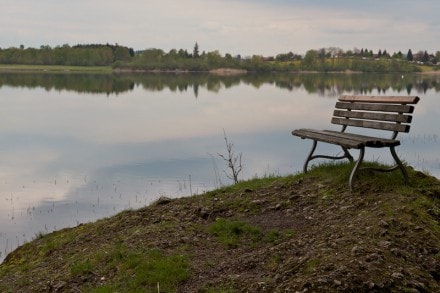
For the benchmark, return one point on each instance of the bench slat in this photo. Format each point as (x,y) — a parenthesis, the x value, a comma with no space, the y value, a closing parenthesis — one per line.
(381,99)
(370,141)
(371,124)
(348,140)
(327,137)
(375,107)
(373,116)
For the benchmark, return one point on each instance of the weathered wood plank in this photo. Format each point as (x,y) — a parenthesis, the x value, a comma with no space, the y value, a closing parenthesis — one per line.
(326,137)
(375,107)
(381,99)
(373,116)
(371,124)
(348,140)
(370,141)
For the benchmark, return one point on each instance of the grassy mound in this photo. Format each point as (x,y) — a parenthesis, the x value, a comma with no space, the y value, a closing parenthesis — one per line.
(298,233)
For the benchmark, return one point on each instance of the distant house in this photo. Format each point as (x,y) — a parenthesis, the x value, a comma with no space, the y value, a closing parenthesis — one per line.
(269,58)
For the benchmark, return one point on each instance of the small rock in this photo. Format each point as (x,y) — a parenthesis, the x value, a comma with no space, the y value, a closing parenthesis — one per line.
(204,213)
(419,286)
(397,252)
(373,257)
(59,286)
(337,282)
(384,224)
(384,243)
(293,197)
(356,250)
(163,200)
(258,201)
(397,275)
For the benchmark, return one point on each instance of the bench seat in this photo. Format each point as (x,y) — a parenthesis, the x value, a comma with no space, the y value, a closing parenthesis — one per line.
(345,139)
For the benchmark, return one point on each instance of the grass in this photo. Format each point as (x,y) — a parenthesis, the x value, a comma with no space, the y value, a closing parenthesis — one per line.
(81,267)
(148,269)
(340,172)
(151,270)
(234,233)
(310,265)
(54,68)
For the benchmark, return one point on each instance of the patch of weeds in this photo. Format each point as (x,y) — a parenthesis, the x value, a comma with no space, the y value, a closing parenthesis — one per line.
(311,265)
(275,236)
(23,281)
(55,241)
(166,225)
(104,289)
(274,262)
(221,288)
(157,269)
(233,233)
(427,212)
(81,268)
(242,205)
(289,233)
(38,235)
(151,271)
(339,172)
(251,184)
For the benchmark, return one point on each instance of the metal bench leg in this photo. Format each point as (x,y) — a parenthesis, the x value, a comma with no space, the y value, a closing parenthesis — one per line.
(347,154)
(309,157)
(400,165)
(356,167)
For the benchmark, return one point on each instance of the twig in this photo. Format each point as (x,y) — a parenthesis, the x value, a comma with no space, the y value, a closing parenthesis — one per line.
(233,161)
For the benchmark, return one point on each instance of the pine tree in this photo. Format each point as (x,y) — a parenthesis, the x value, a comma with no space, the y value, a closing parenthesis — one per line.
(425,57)
(409,55)
(196,51)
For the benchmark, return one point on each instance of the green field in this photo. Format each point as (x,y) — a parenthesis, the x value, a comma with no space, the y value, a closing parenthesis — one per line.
(54,68)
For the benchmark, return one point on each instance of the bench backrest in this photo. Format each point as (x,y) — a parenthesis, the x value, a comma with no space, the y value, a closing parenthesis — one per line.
(390,113)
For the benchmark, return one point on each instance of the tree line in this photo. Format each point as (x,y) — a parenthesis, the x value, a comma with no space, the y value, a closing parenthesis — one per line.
(78,55)
(330,59)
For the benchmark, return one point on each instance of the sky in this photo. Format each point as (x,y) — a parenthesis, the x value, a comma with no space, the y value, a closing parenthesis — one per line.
(245,27)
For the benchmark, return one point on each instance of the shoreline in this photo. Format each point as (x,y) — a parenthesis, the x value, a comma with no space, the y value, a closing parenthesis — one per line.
(14,68)
(252,231)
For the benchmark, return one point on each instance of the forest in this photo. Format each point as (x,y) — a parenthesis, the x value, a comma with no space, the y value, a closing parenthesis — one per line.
(122,58)
(78,55)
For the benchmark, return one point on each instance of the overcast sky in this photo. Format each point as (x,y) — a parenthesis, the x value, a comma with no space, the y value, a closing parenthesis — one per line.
(245,27)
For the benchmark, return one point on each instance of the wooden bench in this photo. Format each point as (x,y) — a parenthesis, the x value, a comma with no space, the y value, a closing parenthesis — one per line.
(388,113)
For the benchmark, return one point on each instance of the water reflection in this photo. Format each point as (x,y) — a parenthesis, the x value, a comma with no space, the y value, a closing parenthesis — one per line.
(74,148)
(324,84)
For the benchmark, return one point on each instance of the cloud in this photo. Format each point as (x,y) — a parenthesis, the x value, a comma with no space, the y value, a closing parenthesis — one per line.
(237,27)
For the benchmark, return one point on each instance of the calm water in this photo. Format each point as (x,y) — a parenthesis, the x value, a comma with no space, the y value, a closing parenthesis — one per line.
(75,148)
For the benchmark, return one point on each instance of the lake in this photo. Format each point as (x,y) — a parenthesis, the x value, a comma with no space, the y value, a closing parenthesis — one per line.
(75,148)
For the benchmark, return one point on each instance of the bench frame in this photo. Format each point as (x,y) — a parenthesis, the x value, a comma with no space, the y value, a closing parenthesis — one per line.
(388,113)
